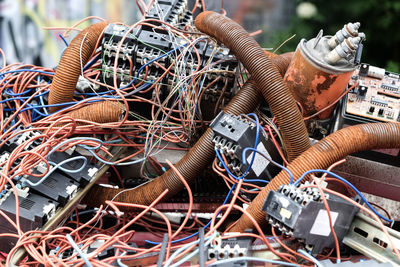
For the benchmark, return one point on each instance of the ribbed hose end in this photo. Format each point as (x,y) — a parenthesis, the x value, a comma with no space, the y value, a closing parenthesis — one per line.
(268,79)
(99,112)
(197,159)
(323,154)
(70,67)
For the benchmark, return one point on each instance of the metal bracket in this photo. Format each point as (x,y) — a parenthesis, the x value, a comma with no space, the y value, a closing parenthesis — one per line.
(366,236)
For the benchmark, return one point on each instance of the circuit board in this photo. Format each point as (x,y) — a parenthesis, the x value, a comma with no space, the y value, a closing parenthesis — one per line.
(376,97)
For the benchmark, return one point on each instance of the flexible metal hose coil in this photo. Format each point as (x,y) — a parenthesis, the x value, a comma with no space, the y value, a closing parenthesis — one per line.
(99,112)
(75,56)
(321,155)
(195,161)
(267,78)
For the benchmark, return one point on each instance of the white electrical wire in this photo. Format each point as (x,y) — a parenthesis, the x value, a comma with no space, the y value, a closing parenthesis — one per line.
(208,240)
(317,262)
(77,249)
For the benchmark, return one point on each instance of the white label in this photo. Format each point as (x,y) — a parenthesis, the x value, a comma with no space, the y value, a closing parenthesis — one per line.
(260,163)
(321,223)
(285,203)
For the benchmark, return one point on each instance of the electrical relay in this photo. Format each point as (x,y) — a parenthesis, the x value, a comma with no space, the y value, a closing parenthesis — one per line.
(232,134)
(301,213)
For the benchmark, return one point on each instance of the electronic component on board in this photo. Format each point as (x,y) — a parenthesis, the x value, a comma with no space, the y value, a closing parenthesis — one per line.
(362,91)
(372,94)
(20,136)
(84,176)
(379,103)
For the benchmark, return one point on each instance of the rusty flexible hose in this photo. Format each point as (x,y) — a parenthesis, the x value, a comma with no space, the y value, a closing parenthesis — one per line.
(280,62)
(67,73)
(197,159)
(99,112)
(190,166)
(267,78)
(320,156)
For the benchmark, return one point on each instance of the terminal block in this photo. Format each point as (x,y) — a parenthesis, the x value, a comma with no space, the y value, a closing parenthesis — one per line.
(34,212)
(21,135)
(152,42)
(232,134)
(56,187)
(300,213)
(235,247)
(171,11)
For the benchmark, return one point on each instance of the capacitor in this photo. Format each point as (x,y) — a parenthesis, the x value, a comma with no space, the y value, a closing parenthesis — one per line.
(376,72)
(318,84)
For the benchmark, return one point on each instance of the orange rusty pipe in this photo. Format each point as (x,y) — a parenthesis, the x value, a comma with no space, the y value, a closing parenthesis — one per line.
(267,78)
(321,155)
(195,161)
(99,112)
(67,73)
(280,62)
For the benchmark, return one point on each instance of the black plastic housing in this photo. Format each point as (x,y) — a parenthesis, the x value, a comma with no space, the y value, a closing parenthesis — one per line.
(232,134)
(301,213)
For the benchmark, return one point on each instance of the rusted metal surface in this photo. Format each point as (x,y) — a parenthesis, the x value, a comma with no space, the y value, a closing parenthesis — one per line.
(371,177)
(392,206)
(313,87)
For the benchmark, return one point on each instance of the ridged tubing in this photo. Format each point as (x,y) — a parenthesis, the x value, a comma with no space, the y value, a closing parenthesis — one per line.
(273,89)
(332,148)
(191,165)
(194,162)
(67,73)
(99,112)
(280,62)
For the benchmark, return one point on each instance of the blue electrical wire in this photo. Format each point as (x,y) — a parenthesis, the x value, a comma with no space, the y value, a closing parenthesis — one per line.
(58,166)
(308,255)
(53,105)
(26,70)
(147,63)
(11,93)
(346,182)
(63,39)
(91,63)
(235,177)
(21,98)
(77,249)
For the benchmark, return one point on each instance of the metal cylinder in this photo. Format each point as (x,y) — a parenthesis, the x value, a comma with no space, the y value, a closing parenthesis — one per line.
(314,83)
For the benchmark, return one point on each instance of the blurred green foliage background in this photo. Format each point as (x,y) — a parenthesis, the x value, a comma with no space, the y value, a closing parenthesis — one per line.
(380,21)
